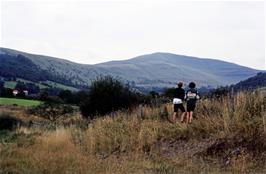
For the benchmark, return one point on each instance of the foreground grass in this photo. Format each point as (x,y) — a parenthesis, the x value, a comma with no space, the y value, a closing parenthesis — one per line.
(228,136)
(19,102)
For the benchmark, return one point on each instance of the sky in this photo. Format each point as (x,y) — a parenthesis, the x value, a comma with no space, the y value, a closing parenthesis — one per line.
(98,31)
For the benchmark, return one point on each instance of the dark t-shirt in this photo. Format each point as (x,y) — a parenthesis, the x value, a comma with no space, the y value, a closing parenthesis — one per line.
(191,96)
(179,93)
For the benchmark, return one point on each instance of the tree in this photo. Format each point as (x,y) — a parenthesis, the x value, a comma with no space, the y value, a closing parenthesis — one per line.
(80,96)
(21,94)
(32,88)
(66,96)
(169,92)
(2,84)
(154,94)
(107,94)
(6,92)
(43,95)
(20,86)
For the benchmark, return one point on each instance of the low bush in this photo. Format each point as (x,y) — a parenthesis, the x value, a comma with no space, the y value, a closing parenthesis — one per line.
(106,95)
(8,122)
(51,111)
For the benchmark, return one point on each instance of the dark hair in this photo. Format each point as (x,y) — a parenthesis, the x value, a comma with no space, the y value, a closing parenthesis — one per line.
(179,84)
(192,85)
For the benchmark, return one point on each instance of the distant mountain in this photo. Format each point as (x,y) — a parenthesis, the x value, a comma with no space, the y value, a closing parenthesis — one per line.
(257,81)
(155,70)
(166,68)
(40,68)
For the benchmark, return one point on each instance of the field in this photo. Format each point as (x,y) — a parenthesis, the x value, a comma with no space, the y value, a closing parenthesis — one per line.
(12,84)
(227,136)
(61,86)
(19,102)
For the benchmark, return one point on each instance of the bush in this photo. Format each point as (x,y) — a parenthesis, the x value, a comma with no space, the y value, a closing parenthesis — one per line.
(51,111)
(8,122)
(169,92)
(66,96)
(80,96)
(6,92)
(107,94)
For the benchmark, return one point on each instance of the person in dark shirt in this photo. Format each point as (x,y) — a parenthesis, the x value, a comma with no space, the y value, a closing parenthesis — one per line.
(191,97)
(179,96)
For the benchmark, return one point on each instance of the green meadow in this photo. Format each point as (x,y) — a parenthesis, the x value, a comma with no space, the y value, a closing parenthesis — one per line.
(10,84)
(42,84)
(19,102)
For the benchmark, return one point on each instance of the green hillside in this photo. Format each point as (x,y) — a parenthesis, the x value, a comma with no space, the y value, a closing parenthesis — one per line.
(254,82)
(146,71)
(19,102)
(61,86)
(10,84)
(41,84)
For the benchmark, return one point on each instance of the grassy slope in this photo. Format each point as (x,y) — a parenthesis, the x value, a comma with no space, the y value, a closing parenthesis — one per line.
(19,102)
(227,136)
(61,86)
(41,86)
(12,84)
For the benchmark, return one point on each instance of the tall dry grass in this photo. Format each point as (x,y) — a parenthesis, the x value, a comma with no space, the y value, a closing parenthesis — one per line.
(228,135)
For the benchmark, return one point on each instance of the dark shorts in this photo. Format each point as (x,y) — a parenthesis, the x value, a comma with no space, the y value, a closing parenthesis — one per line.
(191,107)
(179,106)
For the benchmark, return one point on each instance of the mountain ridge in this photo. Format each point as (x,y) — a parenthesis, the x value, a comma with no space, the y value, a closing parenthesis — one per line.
(180,55)
(132,58)
(158,69)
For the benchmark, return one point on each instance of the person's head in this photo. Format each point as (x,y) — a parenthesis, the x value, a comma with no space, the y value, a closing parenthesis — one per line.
(192,85)
(179,84)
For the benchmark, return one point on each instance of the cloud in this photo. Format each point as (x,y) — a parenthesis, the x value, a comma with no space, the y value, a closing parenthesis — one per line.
(93,32)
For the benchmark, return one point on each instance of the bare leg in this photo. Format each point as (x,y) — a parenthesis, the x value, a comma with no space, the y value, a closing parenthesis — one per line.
(174,116)
(183,116)
(187,117)
(190,117)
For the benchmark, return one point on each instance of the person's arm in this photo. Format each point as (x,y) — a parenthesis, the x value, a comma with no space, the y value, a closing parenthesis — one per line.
(197,96)
(183,95)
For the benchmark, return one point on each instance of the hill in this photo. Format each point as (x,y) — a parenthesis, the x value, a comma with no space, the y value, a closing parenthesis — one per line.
(167,68)
(252,83)
(149,71)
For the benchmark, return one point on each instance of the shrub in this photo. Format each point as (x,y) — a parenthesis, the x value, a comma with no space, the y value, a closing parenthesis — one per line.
(6,92)
(51,111)
(66,96)
(8,122)
(80,96)
(107,94)
(169,92)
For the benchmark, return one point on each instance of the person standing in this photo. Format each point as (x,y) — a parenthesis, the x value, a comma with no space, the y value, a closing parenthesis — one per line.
(179,96)
(191,97)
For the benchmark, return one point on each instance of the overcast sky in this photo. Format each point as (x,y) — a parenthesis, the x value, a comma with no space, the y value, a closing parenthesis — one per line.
(97,31)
